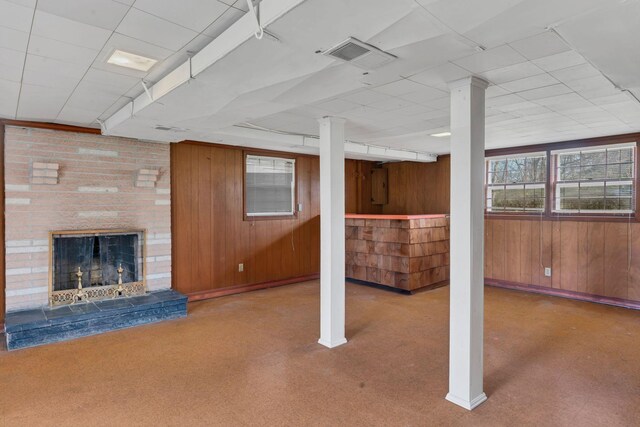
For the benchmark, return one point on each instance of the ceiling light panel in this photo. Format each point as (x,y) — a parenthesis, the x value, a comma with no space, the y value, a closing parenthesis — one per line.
(131,60)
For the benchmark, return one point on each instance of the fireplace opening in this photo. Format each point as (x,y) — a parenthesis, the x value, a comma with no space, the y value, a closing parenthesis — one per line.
(96,265)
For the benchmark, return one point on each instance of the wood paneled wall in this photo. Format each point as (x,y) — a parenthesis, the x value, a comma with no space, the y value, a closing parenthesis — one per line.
(418,188)
(358,187)
(596,258)
(210,237)
(593,258)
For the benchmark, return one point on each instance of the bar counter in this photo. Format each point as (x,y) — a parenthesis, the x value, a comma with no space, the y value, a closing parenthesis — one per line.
(407,252)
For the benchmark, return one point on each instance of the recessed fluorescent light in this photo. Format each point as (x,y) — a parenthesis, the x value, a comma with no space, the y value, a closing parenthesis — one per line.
(441,134)
(131,60)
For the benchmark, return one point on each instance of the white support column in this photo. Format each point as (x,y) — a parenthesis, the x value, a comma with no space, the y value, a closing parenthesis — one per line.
(467,243)
(332,237)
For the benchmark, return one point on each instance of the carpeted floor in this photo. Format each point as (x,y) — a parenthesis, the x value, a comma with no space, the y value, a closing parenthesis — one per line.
(252,359)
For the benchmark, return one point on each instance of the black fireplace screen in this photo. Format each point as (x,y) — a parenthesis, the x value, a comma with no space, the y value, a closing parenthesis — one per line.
(98,256)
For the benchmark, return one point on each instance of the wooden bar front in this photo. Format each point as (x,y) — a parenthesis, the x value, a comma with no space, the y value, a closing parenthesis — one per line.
(407,252)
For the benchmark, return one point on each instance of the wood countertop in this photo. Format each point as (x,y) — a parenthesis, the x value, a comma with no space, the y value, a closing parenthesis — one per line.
(375,216)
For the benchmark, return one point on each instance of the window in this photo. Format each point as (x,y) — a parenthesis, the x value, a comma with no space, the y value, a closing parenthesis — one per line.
(516,183)
(269,186)
(595,180)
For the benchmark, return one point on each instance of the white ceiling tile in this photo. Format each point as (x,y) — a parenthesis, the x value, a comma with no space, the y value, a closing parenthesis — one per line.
(110,81)
(54,66)
(230,16)
(499,101)
(90,96)
(337,105)
(26,3)
(11,64)
(151,29)
(360,112)
(538,46)
(76,115)
(15,16)
(440,76)
(576,72)
(435,114)
(193,14)
(610,99)
(440,103)
(105,14)
(559,61)
(364,97)
(493,91)
(68,31)
(425,94)
(49,72)
(14,39)
(391,103)
(563,102)
(491,59)
(545,92)
(9,98)
(593,87)
(413,110)
(399,87)
(518,107)
(528,83)
(512,72)
(121,102)
(40,103)
(65,52)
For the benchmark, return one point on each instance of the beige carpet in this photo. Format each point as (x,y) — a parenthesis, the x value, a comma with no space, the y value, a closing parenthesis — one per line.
(252,359)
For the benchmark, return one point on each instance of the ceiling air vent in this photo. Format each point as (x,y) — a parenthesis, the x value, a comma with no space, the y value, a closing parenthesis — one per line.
(170,128)
(360,54)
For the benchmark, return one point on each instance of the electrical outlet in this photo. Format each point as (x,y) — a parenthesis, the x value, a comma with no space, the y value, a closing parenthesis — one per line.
(547,271)
(240,267)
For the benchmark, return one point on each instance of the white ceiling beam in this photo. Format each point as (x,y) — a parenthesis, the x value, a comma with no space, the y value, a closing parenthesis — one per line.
(241,31)
(351,148)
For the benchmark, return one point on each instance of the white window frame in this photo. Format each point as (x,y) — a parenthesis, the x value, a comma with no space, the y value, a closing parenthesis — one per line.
(593,183)
(492,187)
(289,213)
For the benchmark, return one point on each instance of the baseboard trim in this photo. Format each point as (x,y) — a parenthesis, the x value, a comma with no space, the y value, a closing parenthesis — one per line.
(579,296)
(332,344)
(466,404)
(214,293)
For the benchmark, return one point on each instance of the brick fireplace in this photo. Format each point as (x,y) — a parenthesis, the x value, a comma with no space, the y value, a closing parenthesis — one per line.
(76,181)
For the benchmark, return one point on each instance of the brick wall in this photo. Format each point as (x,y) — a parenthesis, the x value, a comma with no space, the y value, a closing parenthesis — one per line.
(94,187)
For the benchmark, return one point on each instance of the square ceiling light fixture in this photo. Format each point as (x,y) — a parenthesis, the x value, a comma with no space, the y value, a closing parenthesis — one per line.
(131,60)
(441,134)
(360,54)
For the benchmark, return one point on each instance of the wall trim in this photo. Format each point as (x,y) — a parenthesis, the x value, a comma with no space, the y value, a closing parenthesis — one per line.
(579,296)
(214,293)
(253,150)
(3,270)
(50,126)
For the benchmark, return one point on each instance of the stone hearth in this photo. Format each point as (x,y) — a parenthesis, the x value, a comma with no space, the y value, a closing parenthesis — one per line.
(29,328)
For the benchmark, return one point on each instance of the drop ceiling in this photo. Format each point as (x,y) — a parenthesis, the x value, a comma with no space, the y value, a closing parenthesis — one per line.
(559,70)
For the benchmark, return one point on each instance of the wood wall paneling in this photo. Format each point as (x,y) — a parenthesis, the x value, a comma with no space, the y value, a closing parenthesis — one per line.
(210,236)
(379,186)
(418,188)
(2,245)
(594,258)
